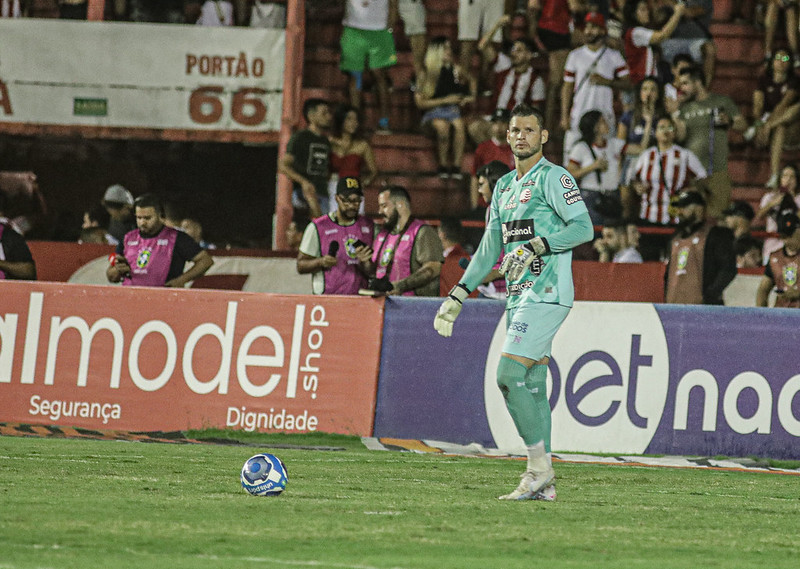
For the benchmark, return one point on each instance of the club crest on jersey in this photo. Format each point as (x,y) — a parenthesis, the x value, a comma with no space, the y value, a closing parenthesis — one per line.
(567,182)
(683,260)
(349,247)
(143,258)
(790,275)
(525,196)
(386,257)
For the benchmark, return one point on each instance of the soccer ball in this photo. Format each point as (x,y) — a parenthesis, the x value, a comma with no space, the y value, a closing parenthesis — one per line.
(264,475)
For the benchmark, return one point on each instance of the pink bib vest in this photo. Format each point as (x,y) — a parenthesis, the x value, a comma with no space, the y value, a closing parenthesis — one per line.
(393,253)
(344,277)
(149,257)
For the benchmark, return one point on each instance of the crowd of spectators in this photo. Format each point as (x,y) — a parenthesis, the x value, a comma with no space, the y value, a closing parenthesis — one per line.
(628,94)
(626,86)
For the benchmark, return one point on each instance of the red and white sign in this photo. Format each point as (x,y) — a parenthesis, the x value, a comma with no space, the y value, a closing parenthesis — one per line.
(179,82)
(157,359)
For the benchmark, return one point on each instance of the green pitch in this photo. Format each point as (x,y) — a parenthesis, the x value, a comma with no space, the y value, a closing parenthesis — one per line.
(87,504)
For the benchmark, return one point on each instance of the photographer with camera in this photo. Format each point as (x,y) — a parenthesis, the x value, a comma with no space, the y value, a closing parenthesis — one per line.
(336,247)
(408,254)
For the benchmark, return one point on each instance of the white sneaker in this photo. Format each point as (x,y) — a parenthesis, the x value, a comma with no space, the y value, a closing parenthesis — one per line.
(547,494)
(530,485)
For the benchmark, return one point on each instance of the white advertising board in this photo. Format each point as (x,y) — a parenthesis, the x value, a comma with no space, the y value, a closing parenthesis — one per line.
(141,77)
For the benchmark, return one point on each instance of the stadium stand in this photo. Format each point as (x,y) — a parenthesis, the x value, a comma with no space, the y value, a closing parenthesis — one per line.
(406,156)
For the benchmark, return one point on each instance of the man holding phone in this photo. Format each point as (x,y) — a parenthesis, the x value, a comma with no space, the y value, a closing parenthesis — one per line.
(336,248)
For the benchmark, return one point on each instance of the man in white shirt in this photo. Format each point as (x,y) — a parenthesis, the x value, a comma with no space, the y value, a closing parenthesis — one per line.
(591,74)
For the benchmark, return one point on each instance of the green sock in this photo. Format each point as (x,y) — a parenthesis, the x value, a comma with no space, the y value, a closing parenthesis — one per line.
(536,383)
(519,400)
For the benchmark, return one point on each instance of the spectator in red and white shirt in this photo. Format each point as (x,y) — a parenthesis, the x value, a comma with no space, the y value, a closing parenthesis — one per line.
(639,37)
(663,171)
(591,74)
(494,148)
(515,82)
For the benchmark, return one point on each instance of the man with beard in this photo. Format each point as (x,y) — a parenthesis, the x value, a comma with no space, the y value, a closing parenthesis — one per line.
(154,254)
(782,268)
(536,218)
(591,74)
(702,260)
(336,248)
(408,254)
(701,125)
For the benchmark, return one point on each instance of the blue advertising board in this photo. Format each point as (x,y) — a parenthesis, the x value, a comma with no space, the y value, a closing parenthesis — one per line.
(623,378)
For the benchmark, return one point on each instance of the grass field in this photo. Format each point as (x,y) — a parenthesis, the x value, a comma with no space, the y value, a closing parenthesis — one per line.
(86,504)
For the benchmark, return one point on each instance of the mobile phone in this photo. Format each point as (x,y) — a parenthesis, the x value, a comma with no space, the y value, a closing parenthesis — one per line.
(358,243)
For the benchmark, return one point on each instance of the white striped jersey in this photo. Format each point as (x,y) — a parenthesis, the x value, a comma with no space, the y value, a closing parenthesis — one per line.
(665,174)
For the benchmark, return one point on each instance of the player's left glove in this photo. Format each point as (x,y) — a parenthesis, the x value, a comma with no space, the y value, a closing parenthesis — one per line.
(518,260)
(449,310)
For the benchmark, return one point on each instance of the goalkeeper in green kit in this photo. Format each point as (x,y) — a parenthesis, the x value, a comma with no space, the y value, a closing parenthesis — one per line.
(537,217)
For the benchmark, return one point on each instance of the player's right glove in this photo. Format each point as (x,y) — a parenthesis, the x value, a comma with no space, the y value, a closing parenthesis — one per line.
(449,310)
(515,262)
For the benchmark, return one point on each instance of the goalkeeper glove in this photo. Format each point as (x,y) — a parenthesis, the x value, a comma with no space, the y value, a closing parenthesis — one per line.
(449,310)
(518,260)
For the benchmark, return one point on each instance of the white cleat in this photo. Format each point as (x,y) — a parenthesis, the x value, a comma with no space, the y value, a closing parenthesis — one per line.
(531,484)
(547,494)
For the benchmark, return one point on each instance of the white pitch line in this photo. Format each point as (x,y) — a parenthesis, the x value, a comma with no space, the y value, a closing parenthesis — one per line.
(297,562)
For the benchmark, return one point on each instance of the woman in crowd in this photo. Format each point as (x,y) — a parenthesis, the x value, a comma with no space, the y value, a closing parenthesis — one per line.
(640,37)
(771,18)
(637,128)
(775,109)
(351,153)
(785,197)
(595,162)
(443,89)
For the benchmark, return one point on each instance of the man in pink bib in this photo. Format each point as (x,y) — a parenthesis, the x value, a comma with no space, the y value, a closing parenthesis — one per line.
(337,246)
(154,254)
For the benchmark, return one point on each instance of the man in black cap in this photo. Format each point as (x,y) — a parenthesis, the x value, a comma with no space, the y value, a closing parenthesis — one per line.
(738,217)
(782,269)
(337,246)
(118,202)
(702,260)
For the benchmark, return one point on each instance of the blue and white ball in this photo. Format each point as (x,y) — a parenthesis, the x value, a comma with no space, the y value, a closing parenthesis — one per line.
(264,475)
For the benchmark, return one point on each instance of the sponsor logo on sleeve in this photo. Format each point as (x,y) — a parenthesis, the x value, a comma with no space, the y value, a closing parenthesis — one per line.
(572,196)
(567,181)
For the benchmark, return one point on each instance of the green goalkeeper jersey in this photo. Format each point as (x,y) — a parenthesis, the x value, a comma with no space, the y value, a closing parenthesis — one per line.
(545,202)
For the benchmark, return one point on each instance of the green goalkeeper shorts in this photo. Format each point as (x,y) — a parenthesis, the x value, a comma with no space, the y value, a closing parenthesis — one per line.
(531,328)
